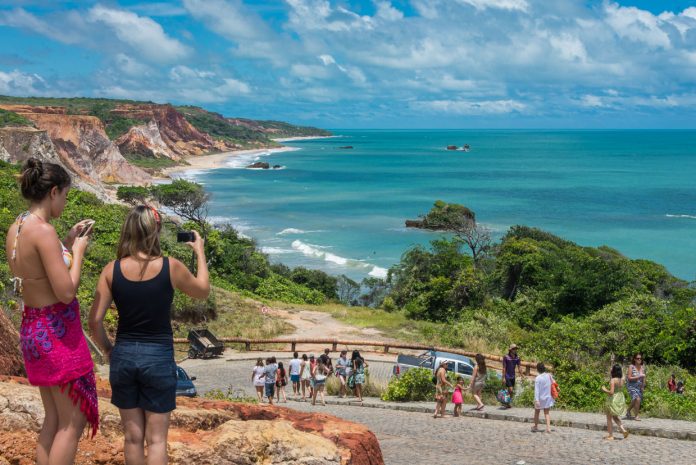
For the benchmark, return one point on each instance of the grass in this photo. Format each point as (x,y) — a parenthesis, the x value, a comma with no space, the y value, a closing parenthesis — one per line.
(150,163)
(238,317)
(9,118)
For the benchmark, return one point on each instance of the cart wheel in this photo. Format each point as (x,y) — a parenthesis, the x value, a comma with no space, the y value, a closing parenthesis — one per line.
(192,353)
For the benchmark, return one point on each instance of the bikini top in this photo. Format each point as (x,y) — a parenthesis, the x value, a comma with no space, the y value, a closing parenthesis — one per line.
(18,281)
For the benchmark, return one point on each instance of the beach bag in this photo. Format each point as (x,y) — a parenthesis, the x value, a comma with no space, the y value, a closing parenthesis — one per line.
(555,392)
(503,397)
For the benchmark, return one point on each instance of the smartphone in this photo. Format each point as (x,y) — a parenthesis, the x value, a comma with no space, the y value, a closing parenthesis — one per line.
(185,236)
(87,228)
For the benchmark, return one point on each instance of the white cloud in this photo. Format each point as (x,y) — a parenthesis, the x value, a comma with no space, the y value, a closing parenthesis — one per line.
(19,83)
(637,25)
(232,87)
(466,107)
(130,66)
(319,15)
(21,18)
(181,73)
(569,47)
(145,35)
(387,12)
(520,5)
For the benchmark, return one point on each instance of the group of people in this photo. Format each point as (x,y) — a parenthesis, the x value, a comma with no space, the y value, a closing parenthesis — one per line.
(308,376)
(141,283)
(546,390)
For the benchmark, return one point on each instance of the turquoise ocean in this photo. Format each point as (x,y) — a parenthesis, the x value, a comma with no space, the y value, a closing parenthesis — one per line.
(343,210)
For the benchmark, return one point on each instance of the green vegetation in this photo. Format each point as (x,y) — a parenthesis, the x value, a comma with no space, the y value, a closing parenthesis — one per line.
(220,128)
(150,164)
(232,395)
(280,129)
(9,118)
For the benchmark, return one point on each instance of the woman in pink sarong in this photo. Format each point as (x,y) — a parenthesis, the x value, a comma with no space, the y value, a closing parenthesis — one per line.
(46,276)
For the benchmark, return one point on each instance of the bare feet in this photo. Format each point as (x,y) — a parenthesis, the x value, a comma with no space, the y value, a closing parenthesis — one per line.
(625,434)
(608,438)
(535,429)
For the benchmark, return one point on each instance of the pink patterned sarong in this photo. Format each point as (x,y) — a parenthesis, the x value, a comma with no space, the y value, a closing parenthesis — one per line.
(56,354)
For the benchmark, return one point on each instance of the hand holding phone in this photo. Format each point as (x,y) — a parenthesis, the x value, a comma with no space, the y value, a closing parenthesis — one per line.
(86,228)
(185,236)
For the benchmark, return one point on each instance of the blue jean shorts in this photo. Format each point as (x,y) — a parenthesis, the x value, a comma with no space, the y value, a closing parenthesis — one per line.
(143,375)
(270,389)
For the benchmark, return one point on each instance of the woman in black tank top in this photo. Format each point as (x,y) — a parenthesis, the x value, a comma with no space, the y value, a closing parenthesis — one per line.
(142,370)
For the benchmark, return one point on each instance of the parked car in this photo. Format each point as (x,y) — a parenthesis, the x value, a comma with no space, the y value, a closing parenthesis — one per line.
(184,383)
(458,364)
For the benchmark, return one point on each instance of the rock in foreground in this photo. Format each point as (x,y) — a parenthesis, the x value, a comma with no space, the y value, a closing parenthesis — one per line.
(203,432)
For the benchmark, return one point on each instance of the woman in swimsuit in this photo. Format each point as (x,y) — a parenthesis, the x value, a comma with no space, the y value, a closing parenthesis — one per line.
(47,276)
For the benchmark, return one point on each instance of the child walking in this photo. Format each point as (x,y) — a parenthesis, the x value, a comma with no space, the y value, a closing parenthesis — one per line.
(615,406)
(281,382)
(457,396)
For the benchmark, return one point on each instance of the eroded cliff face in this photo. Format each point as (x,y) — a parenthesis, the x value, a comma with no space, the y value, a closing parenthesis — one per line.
(82,145)
(17,144)
(202,431)
(181,138)
(145,141)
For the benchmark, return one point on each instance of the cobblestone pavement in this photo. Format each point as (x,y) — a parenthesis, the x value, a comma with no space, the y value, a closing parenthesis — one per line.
(416,438)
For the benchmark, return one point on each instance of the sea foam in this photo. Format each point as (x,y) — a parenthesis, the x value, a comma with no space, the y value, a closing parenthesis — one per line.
(693,217)
(316,251)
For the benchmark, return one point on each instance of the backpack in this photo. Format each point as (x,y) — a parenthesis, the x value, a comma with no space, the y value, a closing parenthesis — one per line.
(503,397)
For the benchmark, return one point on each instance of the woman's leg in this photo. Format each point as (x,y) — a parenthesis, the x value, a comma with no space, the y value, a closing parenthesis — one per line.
(315,390)
(636,408)
(547,417)
(133,422)
(621,426)
(259,393)
(358,391)
(156,429)
(48,428)
(536,420)
(71,423)
(477,398)
(321,391)
(610,427)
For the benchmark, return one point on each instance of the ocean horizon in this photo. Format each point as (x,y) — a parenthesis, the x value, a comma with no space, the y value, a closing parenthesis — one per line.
(343,210)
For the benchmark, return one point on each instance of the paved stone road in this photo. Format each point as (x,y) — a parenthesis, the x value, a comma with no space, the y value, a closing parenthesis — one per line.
(416,438)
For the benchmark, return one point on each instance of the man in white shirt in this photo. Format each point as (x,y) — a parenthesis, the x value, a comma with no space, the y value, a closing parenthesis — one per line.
(295,374)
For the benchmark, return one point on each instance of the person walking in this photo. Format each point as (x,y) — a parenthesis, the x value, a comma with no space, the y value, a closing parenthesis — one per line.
(46,275)
(319,374)
(269,378)
(635,385)
(543,399)
(294,366)
(510,361)
(305,377)
(257,379)
(478,380)
(359,364)
(281,382)
(441,391)
(142,373)
(615,405)
(458,396)
(341,374)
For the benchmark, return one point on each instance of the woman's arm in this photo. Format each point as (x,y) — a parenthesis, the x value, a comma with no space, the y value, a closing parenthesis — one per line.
(64,282)
(630,376)
(102,301)
(197,286)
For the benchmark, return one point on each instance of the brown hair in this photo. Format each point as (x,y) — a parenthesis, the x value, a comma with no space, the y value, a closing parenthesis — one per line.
(481,362)
(140,234)
(38,178)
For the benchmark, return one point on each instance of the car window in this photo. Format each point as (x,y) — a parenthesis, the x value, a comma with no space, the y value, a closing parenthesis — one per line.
(450,366)
(464,369)
(181,374)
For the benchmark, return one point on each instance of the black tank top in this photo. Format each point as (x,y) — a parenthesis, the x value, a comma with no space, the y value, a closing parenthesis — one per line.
(144,307)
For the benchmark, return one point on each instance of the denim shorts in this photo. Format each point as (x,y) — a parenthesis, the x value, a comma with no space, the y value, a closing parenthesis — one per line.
(143,375)
(270,389)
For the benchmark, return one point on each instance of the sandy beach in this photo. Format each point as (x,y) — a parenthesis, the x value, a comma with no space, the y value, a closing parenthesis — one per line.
(218,160)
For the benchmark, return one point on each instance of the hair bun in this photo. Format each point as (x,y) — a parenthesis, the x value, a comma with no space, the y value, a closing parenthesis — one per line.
(34,165)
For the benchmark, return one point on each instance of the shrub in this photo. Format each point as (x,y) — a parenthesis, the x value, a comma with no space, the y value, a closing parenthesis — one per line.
(275,287)
(416,384)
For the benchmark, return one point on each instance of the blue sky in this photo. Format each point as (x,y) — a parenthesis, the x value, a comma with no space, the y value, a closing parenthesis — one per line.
(368,63)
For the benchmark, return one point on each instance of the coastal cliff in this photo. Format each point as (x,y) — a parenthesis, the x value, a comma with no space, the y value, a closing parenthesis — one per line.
(103,141)
(82,145)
